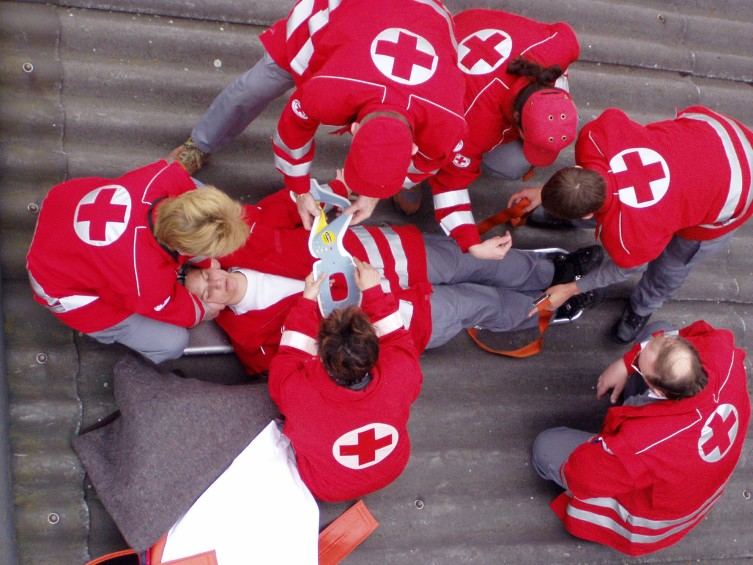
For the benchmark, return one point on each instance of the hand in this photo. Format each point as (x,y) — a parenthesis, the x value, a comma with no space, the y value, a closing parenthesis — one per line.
(312,286)
(366,276)
(613,378)
(361,209)
(558,295)
(308,209)
(493,248)
(212,310)
(532,193)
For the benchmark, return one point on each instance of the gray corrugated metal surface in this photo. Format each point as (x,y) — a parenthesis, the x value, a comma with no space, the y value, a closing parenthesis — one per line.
(111,90)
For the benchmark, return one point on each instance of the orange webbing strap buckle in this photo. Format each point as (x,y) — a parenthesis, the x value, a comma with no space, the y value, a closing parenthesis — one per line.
(528,350)
(515,215)
(347,532)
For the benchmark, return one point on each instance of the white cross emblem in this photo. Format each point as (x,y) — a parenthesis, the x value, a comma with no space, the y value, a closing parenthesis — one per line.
(461,161)
(101,216)
(365,446)
(484,51)
(295,105)
(641,175)
(719,433)
(403,56)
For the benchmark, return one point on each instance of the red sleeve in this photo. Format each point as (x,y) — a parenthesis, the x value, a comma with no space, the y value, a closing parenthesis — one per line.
(397,352)
(297,345)
(453,212)
(629,358)
(294,145)
(560,48)
(163,298)
(612,477)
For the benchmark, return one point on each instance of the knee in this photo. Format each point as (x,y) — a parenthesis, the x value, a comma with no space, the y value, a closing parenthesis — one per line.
(543,446)
(505,171)
(170,347)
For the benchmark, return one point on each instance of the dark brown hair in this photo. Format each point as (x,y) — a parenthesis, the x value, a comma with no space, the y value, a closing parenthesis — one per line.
(540,77)
(348,345)
(679,372)
(573,192)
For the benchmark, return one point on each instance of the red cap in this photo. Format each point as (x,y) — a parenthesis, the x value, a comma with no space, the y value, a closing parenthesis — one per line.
(379,157)
(549,122)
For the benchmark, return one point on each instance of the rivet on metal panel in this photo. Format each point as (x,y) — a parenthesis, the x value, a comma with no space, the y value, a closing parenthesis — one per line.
(42,358)
(661,18)
(53,518)
(419,503)
(746,494)
(217,63)
(33,207)
(27,67)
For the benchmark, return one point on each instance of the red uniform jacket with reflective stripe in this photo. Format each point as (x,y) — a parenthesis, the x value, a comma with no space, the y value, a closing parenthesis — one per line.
(656,470)
(690,177)
(489,40)
(279,246)
(94,261)
(347,443)
(348,58)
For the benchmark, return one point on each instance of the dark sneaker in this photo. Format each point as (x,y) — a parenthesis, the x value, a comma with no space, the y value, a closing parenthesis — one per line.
(408,201)
(540,218)
(190,156)
(629,325)
(573,308)
(572,266)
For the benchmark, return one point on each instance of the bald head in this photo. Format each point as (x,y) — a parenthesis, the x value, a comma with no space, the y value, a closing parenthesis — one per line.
(677,371)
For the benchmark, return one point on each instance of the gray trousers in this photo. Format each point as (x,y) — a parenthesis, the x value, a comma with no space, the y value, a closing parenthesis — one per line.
(506,161)
(240,103)
(470,292)
(661,277)
(155,340)
(553,446)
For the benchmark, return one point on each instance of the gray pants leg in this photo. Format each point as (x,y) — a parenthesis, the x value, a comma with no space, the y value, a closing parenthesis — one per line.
(506,161)
(155,340)
(455,307)
(551,449)
(666,273)
(519,270)
(240,103)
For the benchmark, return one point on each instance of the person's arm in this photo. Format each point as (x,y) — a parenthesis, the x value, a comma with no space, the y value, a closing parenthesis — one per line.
(452,208)
(293,144)
(163,298)
(298,343)
(560,48)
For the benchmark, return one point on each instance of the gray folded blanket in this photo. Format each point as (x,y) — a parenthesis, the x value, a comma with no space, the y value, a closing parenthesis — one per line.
(174,438)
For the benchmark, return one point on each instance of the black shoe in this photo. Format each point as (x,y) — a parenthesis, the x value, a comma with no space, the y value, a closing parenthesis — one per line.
(540,218)
(573,308)
(629,325)
(572,266)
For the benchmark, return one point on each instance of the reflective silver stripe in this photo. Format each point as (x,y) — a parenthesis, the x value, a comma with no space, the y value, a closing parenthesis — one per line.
(300,341)
(610,524)
(406,312)
(398,253)
(736,177)
(388,324)
(300,14)
(301,60)
(445,15)
(294,153)
(290,169)
(450,199)
(372,254)
(456,219)
(407,183)
(626,516)
(63,304)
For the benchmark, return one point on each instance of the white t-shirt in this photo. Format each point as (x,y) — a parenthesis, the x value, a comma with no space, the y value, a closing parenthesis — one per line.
(263,290)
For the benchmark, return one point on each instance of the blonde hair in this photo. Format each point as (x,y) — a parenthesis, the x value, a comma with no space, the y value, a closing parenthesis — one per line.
(202,222)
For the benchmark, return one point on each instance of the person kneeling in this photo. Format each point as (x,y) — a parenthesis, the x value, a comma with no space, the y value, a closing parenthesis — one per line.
(345,385)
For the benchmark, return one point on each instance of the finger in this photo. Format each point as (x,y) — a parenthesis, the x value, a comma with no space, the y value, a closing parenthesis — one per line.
(532,312)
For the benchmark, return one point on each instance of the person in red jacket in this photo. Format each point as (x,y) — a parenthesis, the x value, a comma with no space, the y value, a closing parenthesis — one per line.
(518,109)
(345,385)
(388,75)
(440,290)
(664,456)
(106,255)
(657,211)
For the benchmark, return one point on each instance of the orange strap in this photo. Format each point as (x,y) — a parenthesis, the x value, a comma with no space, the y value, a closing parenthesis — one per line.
(347,532)
(515,215)
(528,350)
(111,557)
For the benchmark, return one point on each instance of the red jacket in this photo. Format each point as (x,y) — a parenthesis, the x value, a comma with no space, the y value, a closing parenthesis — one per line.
(94,261)
(629,486)
(488,40)
(279,246)
(690,177)
(347,58)
(347,443)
